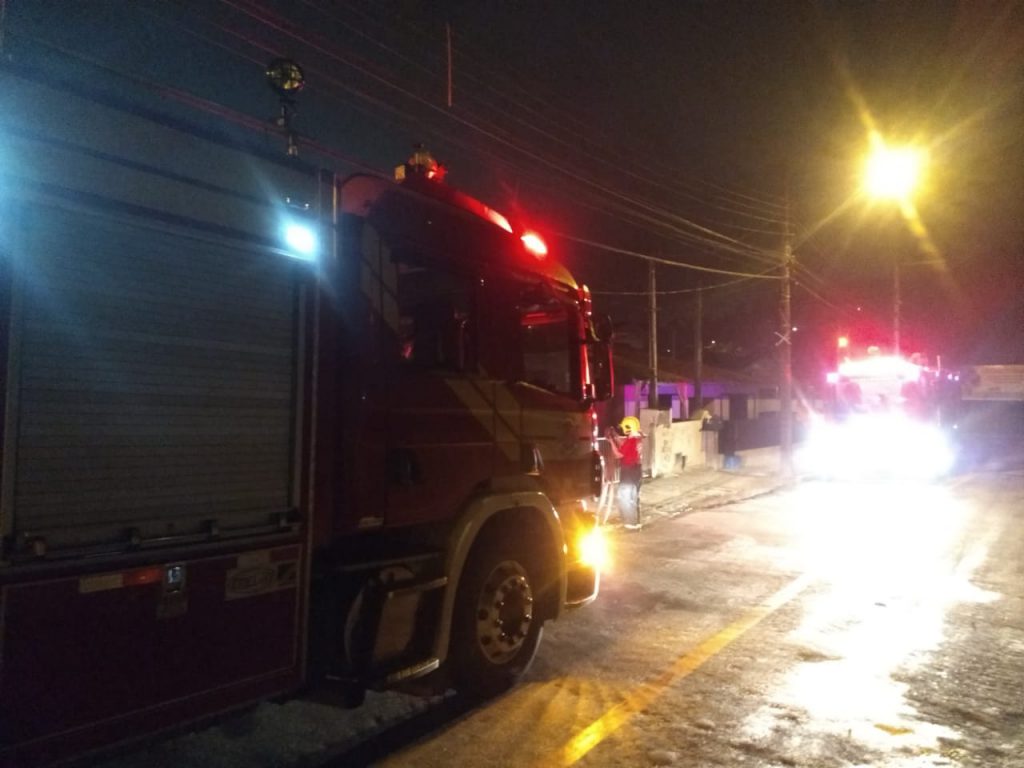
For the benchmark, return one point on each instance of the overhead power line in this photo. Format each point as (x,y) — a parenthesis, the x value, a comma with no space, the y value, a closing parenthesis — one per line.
(494,132)
(185,97)
(266,18)
(546,111)
(667,262)
(679,292)
(819,297)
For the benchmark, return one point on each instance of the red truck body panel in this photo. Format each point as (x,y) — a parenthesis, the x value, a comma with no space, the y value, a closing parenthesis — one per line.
(123,647)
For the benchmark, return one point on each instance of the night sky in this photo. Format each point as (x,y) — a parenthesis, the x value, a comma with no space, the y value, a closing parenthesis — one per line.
(691,131)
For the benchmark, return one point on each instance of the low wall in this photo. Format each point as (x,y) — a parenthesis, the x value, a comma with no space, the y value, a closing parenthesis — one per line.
(747,434)
(754,460)
(677,445)
(669,446)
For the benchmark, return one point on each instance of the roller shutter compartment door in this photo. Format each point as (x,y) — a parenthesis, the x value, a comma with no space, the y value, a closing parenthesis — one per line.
(157,381)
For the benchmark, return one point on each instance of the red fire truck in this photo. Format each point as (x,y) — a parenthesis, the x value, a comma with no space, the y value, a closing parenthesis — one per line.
(882,422)
(266,430)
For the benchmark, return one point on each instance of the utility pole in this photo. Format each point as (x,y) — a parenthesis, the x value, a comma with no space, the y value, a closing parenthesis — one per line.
(698,351)
(896,307)
(652,393)
(786,360)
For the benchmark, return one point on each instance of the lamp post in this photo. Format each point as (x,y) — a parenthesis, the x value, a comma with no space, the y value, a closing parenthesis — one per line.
(896,305)
(786,361)
(894,174)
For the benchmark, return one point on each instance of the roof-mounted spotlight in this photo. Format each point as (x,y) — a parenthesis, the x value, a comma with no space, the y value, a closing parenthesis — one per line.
(300,238)
(287,79)
(299,230)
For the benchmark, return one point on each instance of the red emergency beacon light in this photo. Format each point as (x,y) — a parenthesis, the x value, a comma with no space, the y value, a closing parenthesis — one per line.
(421,166)
(535,244)
(421,163)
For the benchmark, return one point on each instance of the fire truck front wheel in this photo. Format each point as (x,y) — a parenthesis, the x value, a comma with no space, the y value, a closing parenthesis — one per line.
(497,626)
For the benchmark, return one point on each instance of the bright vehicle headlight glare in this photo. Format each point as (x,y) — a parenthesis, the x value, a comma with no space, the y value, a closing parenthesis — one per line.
(889,446)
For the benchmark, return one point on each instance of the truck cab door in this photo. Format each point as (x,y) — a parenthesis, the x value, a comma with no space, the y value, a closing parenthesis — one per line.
(439,435)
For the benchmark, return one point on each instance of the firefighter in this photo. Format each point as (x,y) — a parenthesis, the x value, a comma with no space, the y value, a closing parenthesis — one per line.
(628,447)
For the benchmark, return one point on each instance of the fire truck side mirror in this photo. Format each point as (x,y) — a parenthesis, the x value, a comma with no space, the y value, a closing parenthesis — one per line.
(599,355)
(454,344)
(603,328)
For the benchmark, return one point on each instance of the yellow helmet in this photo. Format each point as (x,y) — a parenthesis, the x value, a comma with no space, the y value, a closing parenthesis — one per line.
(631,424)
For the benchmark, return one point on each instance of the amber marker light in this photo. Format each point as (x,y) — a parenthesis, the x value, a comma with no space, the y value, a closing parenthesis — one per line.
(592,547)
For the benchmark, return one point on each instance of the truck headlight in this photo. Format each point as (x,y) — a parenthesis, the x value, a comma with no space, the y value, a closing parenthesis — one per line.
(592,548)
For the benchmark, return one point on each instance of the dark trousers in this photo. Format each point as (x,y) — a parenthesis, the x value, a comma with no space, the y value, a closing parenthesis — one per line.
(629,493)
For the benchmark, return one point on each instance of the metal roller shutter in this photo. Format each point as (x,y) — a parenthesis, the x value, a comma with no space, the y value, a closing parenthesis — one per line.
(157,382)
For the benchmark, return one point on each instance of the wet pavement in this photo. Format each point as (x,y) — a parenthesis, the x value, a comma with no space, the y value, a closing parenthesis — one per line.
(754,623)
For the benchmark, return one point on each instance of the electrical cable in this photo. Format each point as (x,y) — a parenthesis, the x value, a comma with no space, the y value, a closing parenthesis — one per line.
(819,297)
(281,27)
(667,262)
(528,125)
(252,123)
(679,292)
(198,103)
(777,206)
(489,132)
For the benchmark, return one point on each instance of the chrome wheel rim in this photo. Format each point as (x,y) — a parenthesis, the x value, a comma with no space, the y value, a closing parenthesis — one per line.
(504,612)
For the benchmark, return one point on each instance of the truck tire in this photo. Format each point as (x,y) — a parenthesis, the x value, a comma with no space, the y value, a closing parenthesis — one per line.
(496,630)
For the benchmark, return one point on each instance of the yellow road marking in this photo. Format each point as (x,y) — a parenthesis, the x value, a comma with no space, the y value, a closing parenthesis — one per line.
(641,698)
(894,730)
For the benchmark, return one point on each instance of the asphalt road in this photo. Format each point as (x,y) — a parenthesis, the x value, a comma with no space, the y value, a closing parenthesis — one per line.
(828,625)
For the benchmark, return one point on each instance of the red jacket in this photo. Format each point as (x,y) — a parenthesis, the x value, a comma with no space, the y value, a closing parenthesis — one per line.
(630,449)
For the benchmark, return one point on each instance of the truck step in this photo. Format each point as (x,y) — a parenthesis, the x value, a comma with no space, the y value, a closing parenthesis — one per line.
(412,671)
(405,588)
(383,677)
(376,563)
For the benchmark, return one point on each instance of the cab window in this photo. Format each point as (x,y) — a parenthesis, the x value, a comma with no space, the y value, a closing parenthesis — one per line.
(434,314)
(545,343)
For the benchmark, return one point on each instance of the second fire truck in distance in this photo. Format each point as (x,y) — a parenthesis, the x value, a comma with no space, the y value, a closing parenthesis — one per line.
(882,421)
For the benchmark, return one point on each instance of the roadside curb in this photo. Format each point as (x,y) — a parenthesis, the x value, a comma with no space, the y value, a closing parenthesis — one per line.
(676,498)
(671,508)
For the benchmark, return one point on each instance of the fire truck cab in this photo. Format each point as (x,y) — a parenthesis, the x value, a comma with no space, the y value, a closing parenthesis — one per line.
(455,442)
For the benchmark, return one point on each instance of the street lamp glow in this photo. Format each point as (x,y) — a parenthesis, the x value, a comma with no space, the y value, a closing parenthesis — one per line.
(892,173)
